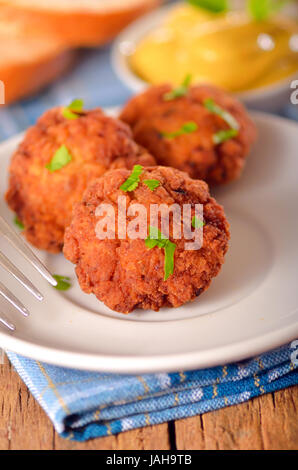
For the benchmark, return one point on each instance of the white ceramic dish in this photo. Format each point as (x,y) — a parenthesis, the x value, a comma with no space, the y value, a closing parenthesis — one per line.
(251,307)
(270,98)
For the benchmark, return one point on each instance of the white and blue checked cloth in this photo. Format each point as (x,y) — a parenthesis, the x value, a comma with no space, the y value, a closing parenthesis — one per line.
(84,405)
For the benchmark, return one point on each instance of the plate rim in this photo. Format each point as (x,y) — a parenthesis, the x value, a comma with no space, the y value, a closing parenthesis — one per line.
(154,364)
(132,364)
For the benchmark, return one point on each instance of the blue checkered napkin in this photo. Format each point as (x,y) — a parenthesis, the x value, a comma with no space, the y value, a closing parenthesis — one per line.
(84,405)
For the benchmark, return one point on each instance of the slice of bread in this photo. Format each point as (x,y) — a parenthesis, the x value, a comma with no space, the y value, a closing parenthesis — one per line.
(78,23)
(37,37)
(30,55)
(27,66)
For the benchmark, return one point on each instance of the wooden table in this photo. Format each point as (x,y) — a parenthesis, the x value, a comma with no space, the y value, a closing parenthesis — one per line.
(267,422)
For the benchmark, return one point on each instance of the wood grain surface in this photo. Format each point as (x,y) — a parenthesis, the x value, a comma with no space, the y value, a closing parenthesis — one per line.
(267,422)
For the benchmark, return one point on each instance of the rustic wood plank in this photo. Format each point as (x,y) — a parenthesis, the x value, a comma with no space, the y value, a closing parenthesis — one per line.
(149,438)
(266,422)
(6,393)
(23,423)
(280,420)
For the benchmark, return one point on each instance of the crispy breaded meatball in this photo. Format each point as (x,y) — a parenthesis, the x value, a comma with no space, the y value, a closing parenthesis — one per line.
(124,273)
(42,199)
(149,115)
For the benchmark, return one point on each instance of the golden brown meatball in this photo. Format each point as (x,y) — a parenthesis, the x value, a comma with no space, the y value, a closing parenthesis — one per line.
(150,115)
(124,273)
(42,199)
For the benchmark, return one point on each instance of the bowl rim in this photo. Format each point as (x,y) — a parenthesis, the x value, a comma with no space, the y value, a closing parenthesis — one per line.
(140,27)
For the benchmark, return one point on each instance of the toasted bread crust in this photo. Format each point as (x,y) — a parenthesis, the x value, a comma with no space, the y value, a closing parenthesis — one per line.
(36,44)
(81,28)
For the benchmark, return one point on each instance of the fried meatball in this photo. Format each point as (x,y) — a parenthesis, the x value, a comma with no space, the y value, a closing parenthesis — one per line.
(124,273)
(43,200)
(149,115)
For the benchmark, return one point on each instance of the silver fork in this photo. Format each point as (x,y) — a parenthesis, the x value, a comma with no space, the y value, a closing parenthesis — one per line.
(17,242)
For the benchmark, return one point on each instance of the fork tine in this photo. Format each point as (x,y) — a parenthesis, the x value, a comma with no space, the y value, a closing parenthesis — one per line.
(13,300)
(16,273)
(20,245)
(7,323)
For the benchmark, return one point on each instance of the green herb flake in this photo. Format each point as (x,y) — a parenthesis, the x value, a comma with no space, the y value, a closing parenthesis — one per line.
(60,159)
(18,223)
(169,259)
(133,180)
(260,10)
(62,282)
(152,184)
(181,90)
(156,238)
(73,109)
(222,136)
(225,115)
(196,222)
(215,6)
(186,128)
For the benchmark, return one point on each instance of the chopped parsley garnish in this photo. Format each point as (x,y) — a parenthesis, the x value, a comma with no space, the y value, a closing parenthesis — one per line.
(62,282)
(223,135)
(225,115)
(156,238)
(152,184)
(181,90)
(215,6)
(18,223)
(196,222)
(133,180)
(60,159)
(73,109)
(186,128)
(260,10)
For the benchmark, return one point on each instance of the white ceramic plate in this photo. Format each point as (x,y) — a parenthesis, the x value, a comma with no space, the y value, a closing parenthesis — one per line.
(270,98)
(251,306)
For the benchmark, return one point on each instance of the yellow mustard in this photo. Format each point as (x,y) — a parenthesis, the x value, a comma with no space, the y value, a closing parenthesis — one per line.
(229,50)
